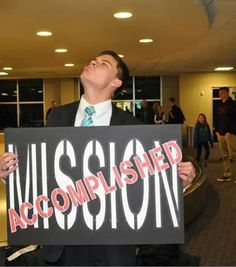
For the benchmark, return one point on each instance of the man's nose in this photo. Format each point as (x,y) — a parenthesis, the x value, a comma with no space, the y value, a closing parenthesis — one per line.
(93,63)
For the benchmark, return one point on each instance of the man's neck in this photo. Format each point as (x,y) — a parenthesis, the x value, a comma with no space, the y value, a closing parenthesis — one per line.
(95,98)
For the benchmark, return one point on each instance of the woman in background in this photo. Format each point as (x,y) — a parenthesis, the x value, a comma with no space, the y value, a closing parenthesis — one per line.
(159,117)
(202,138)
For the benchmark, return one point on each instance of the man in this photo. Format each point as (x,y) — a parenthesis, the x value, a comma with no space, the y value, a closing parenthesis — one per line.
(101,78)
(176,115)
(226,133)
(53,105)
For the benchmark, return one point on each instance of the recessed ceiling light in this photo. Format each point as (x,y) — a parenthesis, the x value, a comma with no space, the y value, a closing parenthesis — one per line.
(122,15)
(7,68)
(44,33)
(61,50)
(145,41)
(2,73)
(69,65)
(224,68)
(121,55)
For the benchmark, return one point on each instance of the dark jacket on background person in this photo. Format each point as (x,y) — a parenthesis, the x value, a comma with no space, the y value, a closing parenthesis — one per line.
(178,116)
(226,117)
(147,115)
(102,255)
(202,134)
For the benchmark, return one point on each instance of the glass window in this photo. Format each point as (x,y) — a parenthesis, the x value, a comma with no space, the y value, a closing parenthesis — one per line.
(125,93)
(31,115)
(8,91)
(13,112)
(31,90)
(8,115)
(215,93)
(147,87)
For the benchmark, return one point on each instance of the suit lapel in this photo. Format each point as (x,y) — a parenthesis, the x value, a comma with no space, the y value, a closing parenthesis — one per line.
(72,114)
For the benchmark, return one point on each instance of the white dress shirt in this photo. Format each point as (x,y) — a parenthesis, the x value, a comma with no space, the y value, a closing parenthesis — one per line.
(102,115)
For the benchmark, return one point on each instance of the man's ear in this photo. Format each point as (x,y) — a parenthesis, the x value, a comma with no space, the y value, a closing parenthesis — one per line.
(116,83)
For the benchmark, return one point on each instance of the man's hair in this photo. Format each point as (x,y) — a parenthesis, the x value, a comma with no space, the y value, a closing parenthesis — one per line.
(225,88)
(123,71)
(172,99)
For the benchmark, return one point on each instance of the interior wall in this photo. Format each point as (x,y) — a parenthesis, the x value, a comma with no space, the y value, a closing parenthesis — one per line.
(68,91)
(196,93)
(51,92)
(62,90)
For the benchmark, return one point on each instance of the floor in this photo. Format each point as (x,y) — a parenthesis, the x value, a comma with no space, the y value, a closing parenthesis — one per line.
(212,236)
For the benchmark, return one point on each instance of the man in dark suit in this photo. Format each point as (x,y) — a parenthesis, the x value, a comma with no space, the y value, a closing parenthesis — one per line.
(176,115)
(101,78)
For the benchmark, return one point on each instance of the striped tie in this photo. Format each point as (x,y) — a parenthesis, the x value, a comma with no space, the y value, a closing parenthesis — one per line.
(87,121)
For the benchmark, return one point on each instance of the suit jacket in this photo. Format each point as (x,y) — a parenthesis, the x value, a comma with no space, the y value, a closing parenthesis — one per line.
(102,255)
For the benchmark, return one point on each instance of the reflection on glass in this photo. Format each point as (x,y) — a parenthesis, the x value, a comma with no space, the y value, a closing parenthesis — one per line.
(31,90)
(8,115)
(31,115)
(8,91)
(125,105)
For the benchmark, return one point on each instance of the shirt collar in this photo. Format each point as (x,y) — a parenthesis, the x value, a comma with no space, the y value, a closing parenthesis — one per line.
(100,108)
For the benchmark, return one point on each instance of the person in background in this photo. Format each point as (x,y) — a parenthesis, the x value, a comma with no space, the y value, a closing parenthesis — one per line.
(159,117)
(176,115)
(147,113)
(202,138)
(226,133)
(53,105)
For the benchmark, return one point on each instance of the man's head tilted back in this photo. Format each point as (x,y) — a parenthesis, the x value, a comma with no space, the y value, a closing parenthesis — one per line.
(105,74)
(122,68)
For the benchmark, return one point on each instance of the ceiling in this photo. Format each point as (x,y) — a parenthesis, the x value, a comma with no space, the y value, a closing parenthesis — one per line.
(189,35)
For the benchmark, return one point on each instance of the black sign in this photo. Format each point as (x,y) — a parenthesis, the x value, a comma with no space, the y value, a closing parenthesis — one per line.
(95,185)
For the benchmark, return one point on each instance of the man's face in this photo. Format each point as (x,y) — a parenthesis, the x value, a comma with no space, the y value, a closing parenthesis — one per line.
(101,73)
(223,94)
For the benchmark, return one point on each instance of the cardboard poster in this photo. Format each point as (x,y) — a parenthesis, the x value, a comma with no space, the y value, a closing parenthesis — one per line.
(95,185)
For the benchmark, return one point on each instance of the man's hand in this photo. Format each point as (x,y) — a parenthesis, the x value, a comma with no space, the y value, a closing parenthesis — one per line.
(186,172)
(8,164)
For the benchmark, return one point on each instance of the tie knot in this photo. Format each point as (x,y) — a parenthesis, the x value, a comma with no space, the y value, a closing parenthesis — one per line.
(90,110)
